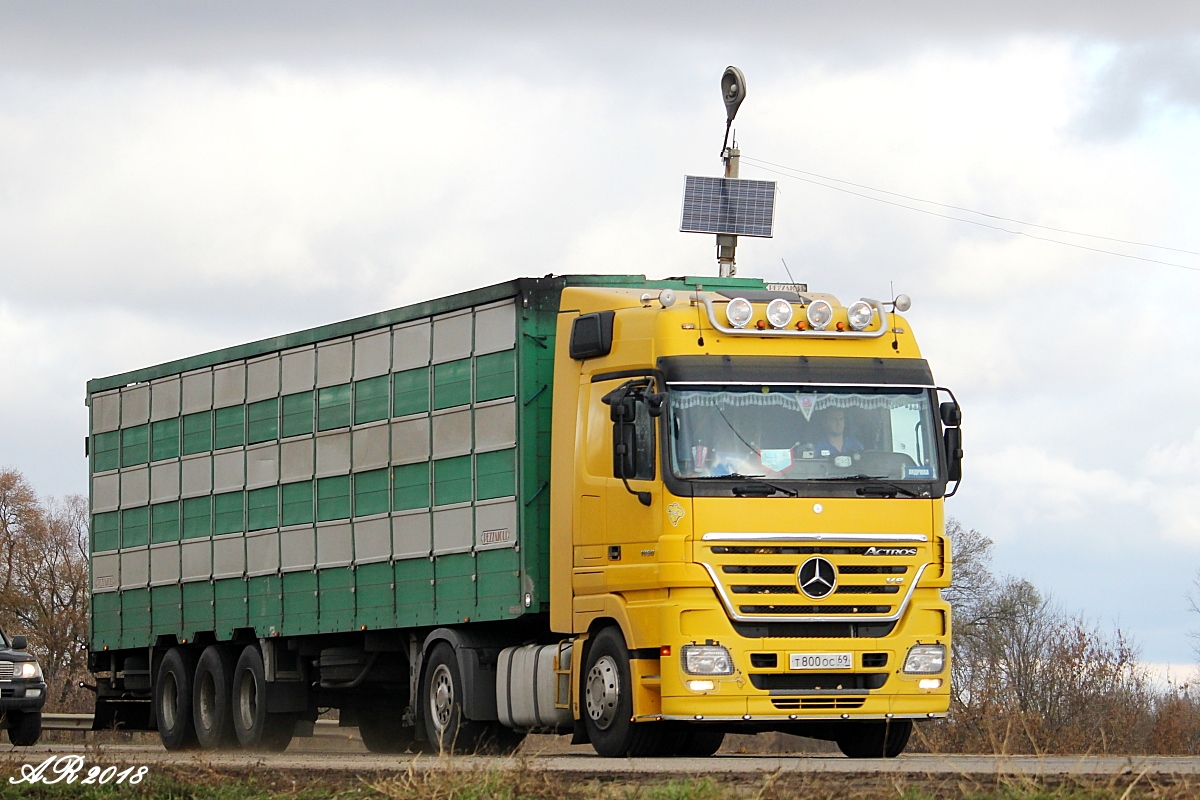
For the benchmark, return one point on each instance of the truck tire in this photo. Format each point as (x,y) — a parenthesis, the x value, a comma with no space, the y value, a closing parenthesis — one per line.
(382,732)
(212,699)
(173,700)
(885,739)
(607,702)
(24,727)
(446,728)
(255,727)
(700,741)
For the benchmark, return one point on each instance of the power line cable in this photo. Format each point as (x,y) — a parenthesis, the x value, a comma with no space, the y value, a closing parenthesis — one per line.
(971,210)
(977,222)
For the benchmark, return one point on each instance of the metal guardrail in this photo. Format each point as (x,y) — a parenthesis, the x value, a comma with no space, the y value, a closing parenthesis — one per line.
(83,722)
(66,722)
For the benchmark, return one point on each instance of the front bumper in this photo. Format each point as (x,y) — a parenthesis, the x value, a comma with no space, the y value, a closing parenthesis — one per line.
(22,695)
(759,691)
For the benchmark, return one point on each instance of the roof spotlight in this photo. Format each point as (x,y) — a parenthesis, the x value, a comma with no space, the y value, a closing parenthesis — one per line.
(820,314)
(859,314)
(779,312)
(739,311)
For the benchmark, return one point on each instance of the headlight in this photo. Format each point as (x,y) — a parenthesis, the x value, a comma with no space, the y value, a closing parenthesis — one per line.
(28,669)
(820,314)
(925,659)
(779,312)
(859,315)
(739,311)
(706,659)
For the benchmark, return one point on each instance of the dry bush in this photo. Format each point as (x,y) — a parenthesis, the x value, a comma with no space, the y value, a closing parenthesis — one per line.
(1030,678)
(44,584)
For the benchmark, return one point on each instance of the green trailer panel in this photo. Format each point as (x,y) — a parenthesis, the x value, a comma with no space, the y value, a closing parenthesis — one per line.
(266,604)
(299,603)
(388,471)
(414,592)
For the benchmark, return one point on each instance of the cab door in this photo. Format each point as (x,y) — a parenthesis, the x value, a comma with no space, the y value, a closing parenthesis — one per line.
(633,491)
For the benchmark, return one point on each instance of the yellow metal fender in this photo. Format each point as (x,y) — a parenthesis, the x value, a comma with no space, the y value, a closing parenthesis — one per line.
(643,672)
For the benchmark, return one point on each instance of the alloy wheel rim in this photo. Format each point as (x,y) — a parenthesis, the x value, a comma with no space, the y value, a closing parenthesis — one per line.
(441,697)
(603,691)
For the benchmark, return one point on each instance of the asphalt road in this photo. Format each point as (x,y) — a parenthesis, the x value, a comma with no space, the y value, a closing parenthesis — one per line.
(581,763)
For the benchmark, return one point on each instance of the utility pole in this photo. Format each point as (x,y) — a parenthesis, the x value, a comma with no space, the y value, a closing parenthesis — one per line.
(727,242)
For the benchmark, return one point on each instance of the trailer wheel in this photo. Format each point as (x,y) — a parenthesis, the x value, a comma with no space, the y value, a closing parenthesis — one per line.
(212,699)
(875,739)
(608,702)
(256,728)
(173,700)
(446,727)
(24,727)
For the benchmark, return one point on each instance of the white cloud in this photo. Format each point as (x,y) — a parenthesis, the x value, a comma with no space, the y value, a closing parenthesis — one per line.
(159,206)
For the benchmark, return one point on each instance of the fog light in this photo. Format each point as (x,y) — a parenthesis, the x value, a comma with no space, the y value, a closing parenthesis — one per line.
(820,314)
(739,311)
(708,686)
(779,312)
(35,693)
(930,683)
(860,314)
(925,659)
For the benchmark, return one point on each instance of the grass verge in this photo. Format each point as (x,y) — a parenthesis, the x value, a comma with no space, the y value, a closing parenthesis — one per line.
(523,782)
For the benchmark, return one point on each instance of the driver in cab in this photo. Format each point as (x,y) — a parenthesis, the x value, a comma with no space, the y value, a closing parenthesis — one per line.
(834,441)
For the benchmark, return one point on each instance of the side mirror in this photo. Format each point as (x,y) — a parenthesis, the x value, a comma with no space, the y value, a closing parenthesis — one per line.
(954,453)
(19,642)
(622,403)
(951,414)
(656,404)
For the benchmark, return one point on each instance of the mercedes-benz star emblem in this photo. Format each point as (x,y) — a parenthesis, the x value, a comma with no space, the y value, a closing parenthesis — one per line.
(817,577)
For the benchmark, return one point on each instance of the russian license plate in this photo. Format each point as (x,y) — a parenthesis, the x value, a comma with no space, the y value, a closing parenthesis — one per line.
(821,660)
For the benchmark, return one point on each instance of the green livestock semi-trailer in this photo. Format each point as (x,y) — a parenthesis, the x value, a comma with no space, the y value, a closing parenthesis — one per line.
(301,518)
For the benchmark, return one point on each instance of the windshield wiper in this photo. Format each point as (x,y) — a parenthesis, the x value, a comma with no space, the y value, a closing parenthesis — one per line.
(753,479)
(876,479)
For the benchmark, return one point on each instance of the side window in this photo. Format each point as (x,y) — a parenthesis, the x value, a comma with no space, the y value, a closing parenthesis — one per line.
(644,444)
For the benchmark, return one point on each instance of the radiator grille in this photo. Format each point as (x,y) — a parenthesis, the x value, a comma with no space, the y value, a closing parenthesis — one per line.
(6,670)
(766,579)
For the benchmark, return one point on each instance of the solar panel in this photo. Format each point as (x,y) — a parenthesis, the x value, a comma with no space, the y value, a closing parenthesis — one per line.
(728,205)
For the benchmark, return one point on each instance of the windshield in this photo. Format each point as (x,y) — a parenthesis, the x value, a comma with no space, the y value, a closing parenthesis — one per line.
(802,432)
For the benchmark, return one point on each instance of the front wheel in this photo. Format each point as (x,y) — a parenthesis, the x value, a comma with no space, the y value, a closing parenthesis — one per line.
(886,739)
(256,728)
(608,702)
(25,727)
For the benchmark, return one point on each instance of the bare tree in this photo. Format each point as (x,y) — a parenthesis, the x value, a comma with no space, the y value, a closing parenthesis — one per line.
(44,582)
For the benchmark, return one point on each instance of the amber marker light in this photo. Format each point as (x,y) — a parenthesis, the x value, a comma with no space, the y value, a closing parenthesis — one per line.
(841,326)
(664,651)
(761,324)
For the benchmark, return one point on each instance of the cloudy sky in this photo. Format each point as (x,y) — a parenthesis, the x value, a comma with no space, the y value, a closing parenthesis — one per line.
(180,177)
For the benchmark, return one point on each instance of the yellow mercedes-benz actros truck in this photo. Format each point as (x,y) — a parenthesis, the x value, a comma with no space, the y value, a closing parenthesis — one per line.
(645,512)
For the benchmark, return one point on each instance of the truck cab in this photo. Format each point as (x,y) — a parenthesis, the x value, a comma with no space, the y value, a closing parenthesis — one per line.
(747,516)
